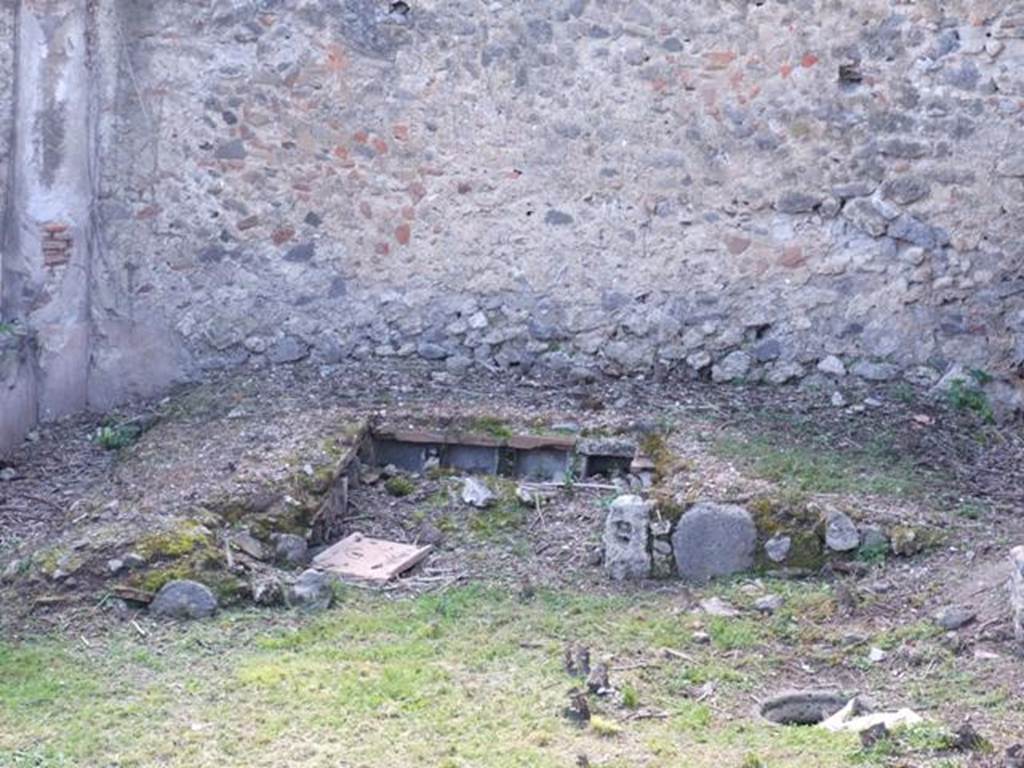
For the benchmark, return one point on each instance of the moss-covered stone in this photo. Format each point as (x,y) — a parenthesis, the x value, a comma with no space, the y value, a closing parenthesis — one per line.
(57,560)
(795,517)
(655,446)
(226,586)
(907,541)
(180,541)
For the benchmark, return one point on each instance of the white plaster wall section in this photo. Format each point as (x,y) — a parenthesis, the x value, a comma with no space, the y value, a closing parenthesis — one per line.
(51,197)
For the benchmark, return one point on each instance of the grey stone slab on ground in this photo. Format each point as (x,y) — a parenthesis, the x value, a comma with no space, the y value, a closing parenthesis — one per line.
(627,539)
(714,540)
(184,600)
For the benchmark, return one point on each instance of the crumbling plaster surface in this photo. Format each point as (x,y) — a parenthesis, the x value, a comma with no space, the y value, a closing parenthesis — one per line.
(731,189)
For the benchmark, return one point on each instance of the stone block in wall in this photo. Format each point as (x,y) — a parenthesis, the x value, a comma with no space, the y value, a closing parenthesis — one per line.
(627,539)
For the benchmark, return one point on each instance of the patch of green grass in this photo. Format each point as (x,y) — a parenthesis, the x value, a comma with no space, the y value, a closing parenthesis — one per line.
(504,515)
(972,509)
(734,634)
(798,468)
(399,486)
(438,680)
(114,437)
(968,395)
(874,553)
(604,727)
(490,425)
(630,697)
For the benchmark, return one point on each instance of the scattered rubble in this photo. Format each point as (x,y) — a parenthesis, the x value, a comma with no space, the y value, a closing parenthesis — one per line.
(856,717)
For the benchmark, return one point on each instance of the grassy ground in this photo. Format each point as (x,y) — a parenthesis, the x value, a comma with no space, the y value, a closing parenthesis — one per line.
(473,677)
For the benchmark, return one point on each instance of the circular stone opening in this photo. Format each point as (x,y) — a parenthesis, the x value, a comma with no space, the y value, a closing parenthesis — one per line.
(803,707)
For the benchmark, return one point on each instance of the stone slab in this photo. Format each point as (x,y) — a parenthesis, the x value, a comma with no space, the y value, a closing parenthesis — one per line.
(362,558)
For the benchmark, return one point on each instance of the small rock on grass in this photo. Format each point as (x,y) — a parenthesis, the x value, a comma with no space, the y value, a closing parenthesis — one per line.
(877,655)
(876,733)
(954,617)
(476,493)
(184,600)
(768,604)
(716,606)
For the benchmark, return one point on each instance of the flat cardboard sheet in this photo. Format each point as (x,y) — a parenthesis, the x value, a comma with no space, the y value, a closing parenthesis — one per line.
(364,559)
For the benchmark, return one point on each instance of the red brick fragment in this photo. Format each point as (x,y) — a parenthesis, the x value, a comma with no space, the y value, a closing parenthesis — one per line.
(403,234)
(792,257)
(282,235)
(719,59)
(737,244)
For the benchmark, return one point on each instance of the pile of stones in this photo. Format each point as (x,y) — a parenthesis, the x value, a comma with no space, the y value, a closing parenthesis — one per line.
(712,539)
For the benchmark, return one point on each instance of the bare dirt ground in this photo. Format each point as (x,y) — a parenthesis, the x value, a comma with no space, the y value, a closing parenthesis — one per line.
(893,458)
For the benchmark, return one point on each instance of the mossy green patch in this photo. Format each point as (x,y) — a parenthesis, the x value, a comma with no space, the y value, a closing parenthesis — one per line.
(180,541)
(490,425)
(793,516)
(399,486)
(801,464)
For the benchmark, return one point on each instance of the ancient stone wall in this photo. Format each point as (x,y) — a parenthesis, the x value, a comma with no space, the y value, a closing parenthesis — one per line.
(617,184)
(731,189)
